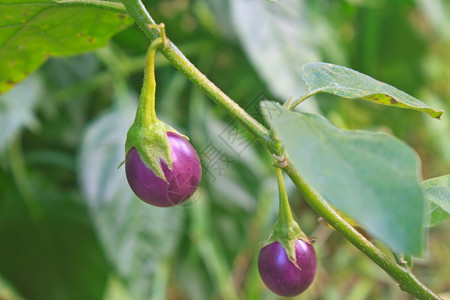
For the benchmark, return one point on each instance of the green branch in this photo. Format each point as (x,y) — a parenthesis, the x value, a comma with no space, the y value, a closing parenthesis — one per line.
(407,281)
(137,10)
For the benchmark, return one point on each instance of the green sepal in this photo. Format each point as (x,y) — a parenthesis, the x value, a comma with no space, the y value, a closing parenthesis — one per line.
(171,129)
(152,145)
(287,235)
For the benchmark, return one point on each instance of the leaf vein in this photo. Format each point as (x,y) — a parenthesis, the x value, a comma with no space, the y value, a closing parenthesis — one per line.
(26,25)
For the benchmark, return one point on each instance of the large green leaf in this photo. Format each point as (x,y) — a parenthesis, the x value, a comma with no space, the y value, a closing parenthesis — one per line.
(372,177)
(348,83)
(437,192)
(33,30)
(135,235)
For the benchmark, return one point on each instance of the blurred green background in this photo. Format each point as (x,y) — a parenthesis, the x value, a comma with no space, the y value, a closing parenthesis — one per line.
(70,227)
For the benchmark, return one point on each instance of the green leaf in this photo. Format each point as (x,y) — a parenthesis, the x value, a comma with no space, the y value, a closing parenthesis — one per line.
(135,235)
(33,30)
(344,82)
(437,192)
(371,177)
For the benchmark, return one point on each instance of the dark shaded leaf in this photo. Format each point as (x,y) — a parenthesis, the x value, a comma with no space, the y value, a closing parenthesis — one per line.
(56,256)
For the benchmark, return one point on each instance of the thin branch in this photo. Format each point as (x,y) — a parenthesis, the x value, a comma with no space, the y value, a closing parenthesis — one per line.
(137,10)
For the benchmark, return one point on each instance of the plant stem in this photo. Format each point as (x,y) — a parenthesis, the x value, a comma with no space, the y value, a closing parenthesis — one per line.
(146,114)
(136,9)
(237,112)
(291,104)
(284,213)
(407,281)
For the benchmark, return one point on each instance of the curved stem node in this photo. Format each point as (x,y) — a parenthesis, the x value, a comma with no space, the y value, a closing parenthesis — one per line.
(282,161)
(162,30)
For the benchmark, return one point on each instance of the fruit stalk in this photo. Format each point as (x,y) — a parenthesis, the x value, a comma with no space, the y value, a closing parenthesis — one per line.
(284,213)
(162,167)
(286,231)
(147,134)
(287,261)
(146,114)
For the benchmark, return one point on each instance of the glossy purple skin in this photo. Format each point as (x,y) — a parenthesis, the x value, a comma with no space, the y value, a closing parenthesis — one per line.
(280,275)
(183,179)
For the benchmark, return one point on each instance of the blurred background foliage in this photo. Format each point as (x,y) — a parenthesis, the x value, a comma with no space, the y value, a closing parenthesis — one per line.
(70,228)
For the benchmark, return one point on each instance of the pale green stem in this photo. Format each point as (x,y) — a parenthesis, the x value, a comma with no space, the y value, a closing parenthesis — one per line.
(146,114)
(284,213)
(291,104)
